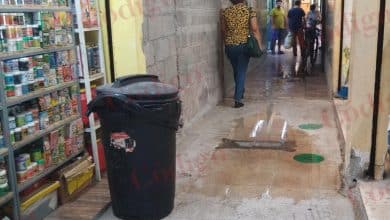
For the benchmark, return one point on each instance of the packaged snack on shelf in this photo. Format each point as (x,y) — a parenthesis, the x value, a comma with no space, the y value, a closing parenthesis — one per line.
(43,120)
(36,154)
(54,99)
(47,151)
(68,147)
(93,13)
(60,74)
(85,13)
(67,73)
(53,137)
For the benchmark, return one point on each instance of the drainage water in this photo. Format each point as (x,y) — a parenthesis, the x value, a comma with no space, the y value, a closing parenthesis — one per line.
(265,131)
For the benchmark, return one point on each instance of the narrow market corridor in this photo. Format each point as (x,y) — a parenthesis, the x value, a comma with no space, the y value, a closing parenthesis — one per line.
(219,179)
(128,110)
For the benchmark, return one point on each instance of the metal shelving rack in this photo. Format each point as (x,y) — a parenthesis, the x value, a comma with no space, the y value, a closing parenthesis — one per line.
(8,102)
(87,78)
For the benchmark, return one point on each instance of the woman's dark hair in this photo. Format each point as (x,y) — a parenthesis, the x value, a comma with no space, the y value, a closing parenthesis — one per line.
(298,2)
(313,7)
(235,2)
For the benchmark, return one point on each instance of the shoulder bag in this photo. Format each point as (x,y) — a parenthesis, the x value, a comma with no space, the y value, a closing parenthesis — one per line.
(252,44)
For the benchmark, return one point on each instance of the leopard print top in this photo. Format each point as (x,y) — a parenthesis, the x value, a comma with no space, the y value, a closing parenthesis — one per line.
(237,23)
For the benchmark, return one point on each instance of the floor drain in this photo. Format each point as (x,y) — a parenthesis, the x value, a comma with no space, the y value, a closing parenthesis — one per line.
(309,158)
(310,126)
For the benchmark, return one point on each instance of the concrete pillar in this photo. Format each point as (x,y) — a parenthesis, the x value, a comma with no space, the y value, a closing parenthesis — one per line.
(363,65)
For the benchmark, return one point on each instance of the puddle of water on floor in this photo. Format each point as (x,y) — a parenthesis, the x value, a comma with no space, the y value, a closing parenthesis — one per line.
(249,172)
(266,131)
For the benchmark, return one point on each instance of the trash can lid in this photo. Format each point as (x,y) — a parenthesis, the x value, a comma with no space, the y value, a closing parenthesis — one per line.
(140,87)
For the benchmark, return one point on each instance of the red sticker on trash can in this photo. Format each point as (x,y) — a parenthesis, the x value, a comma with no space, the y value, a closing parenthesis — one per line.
(121,141)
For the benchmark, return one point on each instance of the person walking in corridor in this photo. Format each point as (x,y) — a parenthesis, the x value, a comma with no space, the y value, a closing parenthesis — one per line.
(279,23)
(313,17)
(296,22)
(236,23)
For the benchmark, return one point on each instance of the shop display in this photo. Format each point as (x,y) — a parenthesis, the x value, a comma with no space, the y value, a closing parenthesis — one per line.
(35,2)
(49,151)
(22,31)
(89,13)
(40,113)
(41,95)
(91,66)
(29,74)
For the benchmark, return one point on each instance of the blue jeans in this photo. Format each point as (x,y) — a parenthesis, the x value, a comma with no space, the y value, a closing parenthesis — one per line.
(277,35)
(240,61)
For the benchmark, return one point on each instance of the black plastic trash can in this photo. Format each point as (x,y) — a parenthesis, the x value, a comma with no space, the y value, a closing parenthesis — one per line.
(139,117)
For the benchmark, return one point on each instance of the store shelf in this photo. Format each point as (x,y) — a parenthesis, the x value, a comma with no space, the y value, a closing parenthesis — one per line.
(17,100)
(97,126)
(78,30)
(48,171)
(42,133)
(3,152)
(32,52)
(30,8)
(93,77)
(6,198)
(84,69)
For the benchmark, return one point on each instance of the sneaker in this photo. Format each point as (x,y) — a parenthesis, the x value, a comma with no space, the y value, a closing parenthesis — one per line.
(281,52)
(238,105)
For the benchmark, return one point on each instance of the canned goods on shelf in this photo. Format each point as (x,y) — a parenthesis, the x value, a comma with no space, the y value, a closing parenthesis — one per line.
(18,79)
(9,78)
(20,120)
(18,134)
(25,89)
(24,131)
(11,45)
(19,44)
(18,90)
(12,122)
(3,177)
(29,117)
(11,65)
(10,90)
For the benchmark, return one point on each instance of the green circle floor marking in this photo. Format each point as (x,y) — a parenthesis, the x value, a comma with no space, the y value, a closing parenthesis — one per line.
(309,158)
(310,126)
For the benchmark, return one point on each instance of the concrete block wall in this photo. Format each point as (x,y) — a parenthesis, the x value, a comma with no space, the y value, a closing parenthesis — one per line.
(181,45)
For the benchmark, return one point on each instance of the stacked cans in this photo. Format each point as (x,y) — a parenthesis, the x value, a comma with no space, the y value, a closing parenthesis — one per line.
(35,2)
(41,113)
(19,77)
(23,122)
(22,31)
(17,32)
(30,74)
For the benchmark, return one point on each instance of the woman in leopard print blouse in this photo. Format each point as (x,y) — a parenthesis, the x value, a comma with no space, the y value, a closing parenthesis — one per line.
(235,23)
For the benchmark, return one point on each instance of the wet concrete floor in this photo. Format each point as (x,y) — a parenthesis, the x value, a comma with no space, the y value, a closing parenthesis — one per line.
(216,180)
